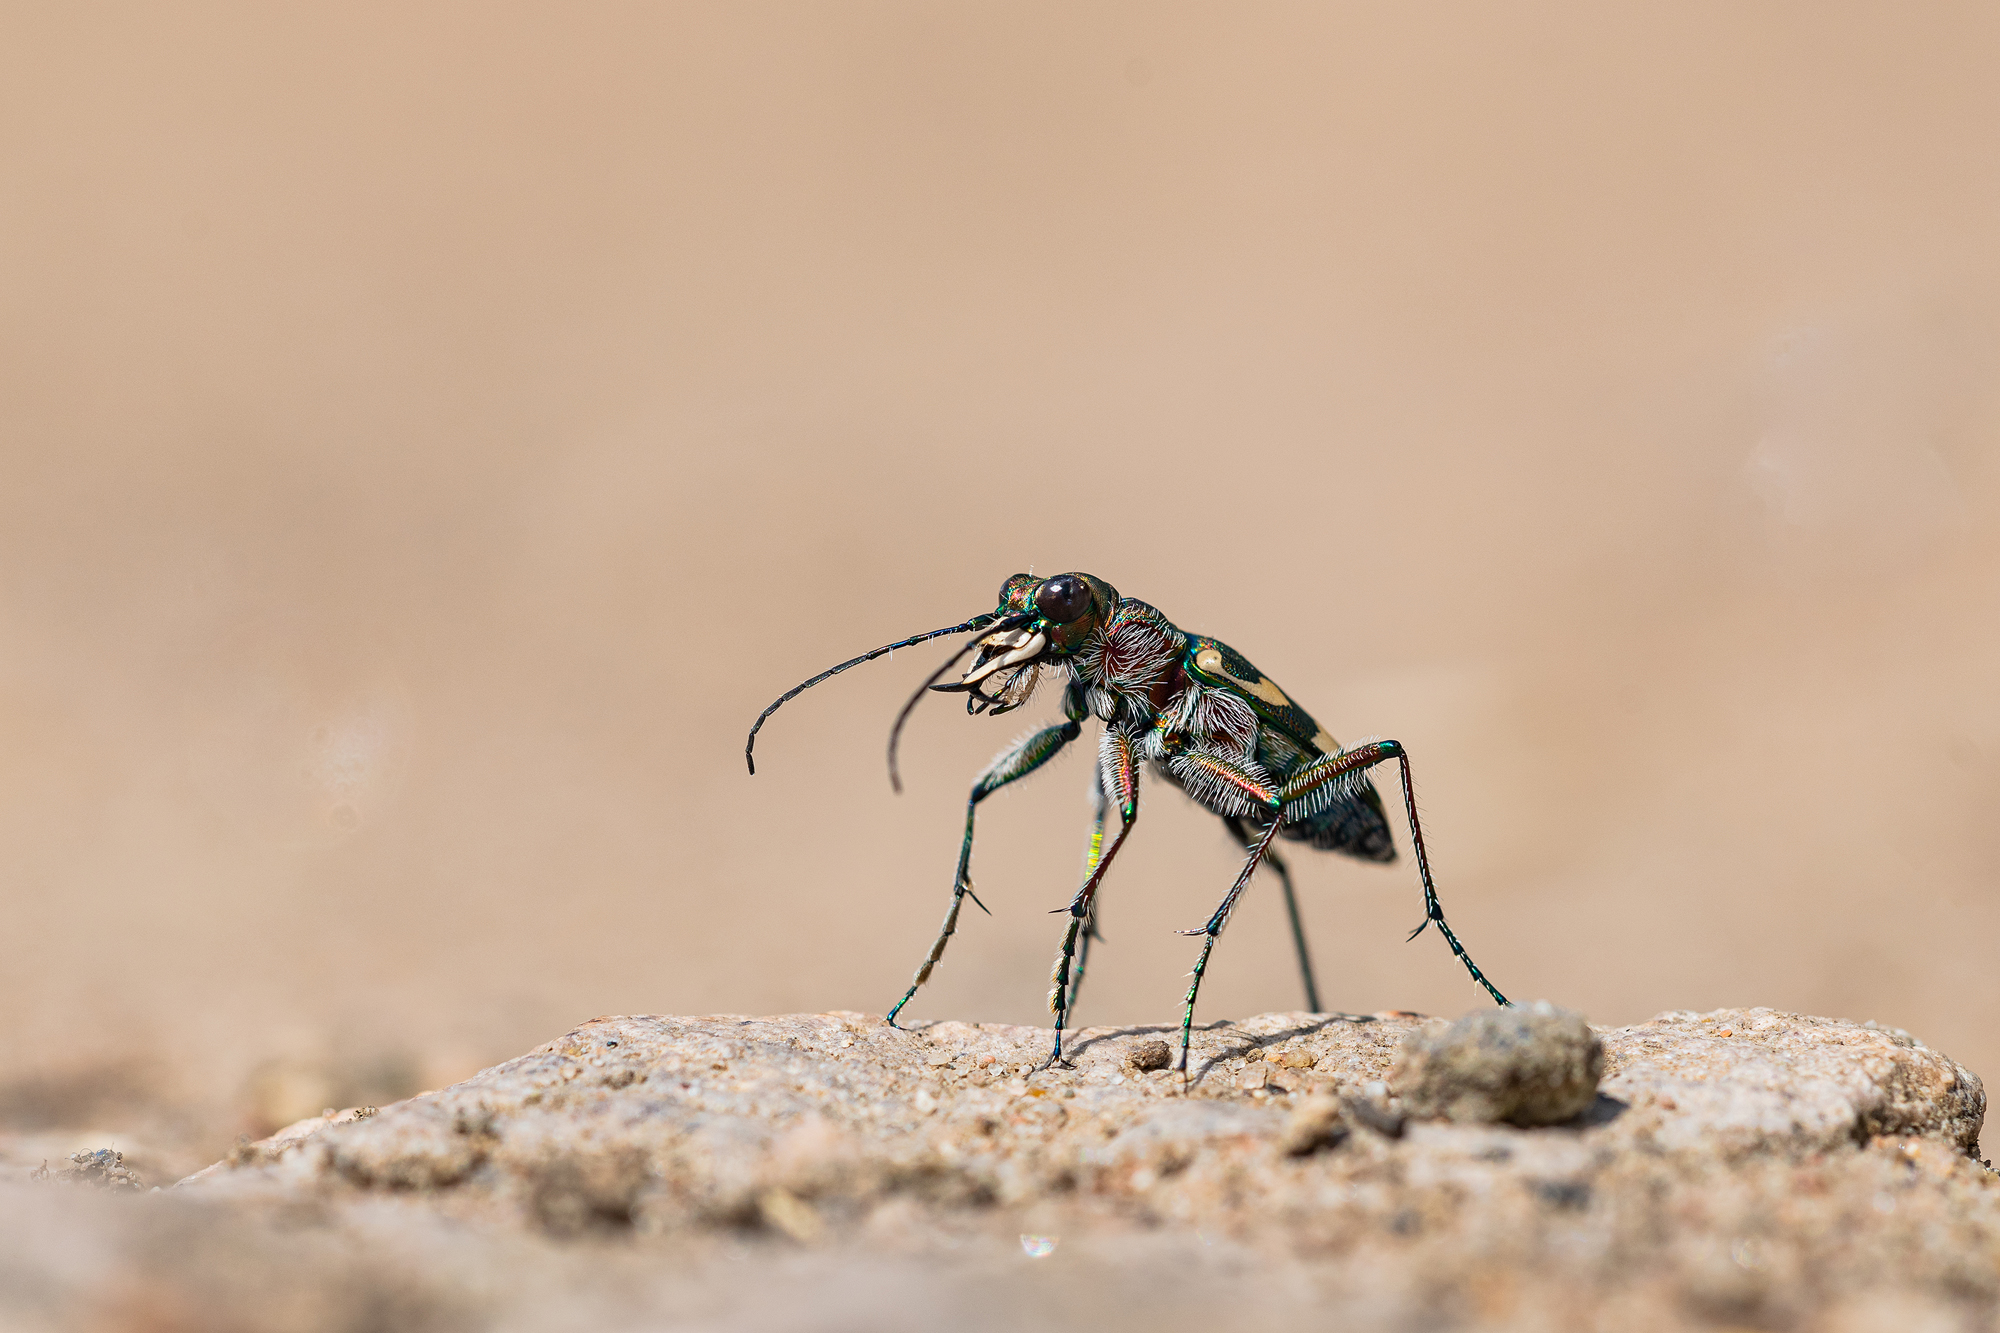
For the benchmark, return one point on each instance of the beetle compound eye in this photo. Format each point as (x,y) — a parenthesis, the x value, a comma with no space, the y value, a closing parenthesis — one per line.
(1063,598)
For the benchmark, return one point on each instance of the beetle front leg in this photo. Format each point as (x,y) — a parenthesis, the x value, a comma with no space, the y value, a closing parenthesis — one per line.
(1012,765)
(1118,776)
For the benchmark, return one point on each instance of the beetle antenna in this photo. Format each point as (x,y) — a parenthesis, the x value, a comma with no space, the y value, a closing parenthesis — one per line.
(896,732)
(980,621)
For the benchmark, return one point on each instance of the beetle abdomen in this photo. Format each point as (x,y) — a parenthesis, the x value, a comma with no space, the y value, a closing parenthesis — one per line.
(1354,825)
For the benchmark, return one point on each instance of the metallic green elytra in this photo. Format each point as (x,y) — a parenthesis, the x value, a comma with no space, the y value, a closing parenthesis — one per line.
(1193,710)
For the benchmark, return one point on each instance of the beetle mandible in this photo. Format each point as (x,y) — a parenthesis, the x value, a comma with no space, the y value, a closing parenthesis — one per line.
(1192,707)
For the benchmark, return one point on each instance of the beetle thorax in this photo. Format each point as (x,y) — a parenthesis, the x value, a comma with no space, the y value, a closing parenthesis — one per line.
(1133,658)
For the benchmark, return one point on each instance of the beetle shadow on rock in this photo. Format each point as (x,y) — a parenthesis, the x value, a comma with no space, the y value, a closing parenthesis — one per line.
(1245,1043)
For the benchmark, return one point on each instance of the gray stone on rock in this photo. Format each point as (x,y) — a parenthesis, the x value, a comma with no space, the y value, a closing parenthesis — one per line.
(104,1168)
(1530,1066)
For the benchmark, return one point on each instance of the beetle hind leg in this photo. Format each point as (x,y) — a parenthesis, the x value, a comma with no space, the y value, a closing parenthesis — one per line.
(1308,792)
(1433,910)
(1327,777)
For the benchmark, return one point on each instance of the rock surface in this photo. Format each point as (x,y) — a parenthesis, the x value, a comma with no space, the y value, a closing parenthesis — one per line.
(1738,1168)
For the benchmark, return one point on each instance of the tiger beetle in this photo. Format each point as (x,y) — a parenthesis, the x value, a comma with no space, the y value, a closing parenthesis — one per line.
(1195,709)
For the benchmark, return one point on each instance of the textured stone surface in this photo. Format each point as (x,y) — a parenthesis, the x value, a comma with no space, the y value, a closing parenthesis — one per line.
(1743,1168)
(1530,1066)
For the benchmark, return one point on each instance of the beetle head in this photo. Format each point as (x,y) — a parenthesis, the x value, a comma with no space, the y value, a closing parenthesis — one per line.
(1038,621)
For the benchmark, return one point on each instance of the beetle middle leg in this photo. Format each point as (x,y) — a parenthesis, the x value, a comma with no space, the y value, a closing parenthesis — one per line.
(1213,931)
(1118,775)
(1241,832)
(1013,764)
(1100,808)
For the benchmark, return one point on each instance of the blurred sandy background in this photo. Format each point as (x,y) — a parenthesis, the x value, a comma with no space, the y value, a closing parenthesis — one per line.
(432,433)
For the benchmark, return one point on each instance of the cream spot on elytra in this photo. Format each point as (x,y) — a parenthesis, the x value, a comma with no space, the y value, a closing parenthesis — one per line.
(1263,689)
(1210,660)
